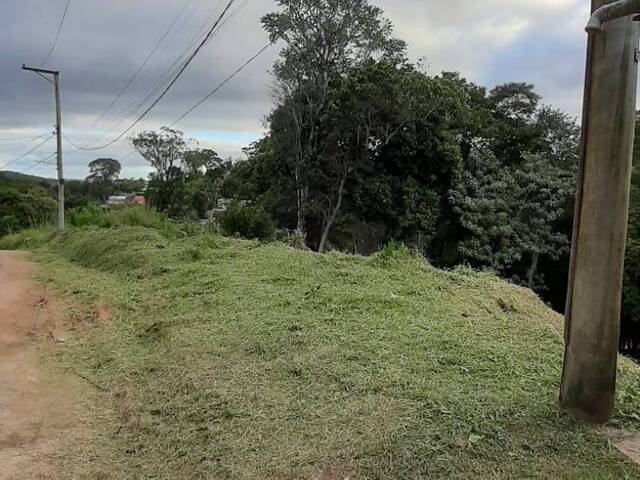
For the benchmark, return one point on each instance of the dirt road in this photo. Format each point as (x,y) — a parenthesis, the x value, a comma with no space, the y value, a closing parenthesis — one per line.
(38,409)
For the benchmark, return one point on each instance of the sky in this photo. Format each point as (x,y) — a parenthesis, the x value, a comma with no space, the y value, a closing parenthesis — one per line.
(103,43)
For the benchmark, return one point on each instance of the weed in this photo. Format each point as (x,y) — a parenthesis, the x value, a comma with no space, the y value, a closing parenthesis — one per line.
(30,238)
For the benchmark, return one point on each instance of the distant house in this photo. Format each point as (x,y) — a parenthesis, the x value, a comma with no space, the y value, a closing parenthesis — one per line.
(222,205)
(118,201)
(115,201)
(137,199)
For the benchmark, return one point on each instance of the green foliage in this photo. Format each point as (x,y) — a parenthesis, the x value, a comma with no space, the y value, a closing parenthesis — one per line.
(25,205)
(260,361)
(103,174)
(27,238)
(250,222)
(432,161)
(186,182)
(90,214)
(131,216)
(631,290)
(508,212)
(138,216)
(631,302)
(394,254)
(292,238)
(125,249)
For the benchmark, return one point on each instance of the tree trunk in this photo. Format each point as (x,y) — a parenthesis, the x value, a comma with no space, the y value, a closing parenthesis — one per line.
(533,270)
(592,327)
(301,200)
(333,215)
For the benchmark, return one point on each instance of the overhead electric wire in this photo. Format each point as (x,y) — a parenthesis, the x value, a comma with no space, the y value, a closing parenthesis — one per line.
(139,103)
(13,141)
(144,64)
(41,163)
(55,42)
(222,84)
(167,88)
(26,153)
(4,146)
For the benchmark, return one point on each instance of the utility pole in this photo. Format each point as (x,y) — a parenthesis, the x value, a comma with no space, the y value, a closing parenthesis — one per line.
(56,87)
(592,328)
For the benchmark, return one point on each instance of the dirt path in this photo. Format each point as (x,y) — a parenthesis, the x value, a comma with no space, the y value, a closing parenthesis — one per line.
(38,409)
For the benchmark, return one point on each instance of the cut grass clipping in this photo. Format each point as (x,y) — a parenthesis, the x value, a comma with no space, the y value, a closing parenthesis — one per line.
(234,359)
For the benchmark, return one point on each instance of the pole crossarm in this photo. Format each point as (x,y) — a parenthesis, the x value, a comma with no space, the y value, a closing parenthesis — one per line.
(40,70)
(612,11)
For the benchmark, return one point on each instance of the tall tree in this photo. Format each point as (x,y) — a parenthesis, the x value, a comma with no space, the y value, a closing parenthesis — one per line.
(324,38)
(514,108)
(103,173)
(164,150)
(198,162)
(510,212)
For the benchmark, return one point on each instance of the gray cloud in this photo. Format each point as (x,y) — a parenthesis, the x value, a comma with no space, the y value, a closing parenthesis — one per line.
(104,42)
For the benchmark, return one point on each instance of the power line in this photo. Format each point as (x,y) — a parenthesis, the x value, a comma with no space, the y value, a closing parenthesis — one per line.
(4,146)
(26,153)
(222,84)
(40,163)
(55,42)
(138,104)
(167,88)
(144,63)
(14,141)
(210,94)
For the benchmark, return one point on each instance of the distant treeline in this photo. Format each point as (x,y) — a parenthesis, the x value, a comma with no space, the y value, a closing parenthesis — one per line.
(28,201)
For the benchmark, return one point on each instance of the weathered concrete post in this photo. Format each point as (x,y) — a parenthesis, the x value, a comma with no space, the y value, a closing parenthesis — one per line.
(592,327)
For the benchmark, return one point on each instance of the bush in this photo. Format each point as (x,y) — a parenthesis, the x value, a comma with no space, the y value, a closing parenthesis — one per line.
(31,238)
(131,216)
(292,238)
(250,222)
(394,253)
(87,215)
(136,216)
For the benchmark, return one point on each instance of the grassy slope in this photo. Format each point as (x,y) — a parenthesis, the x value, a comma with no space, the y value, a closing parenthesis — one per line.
(230,359)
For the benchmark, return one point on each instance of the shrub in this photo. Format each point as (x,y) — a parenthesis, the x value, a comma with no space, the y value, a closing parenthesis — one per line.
(250,222)
(87,215)
(30,238)
(394,253)
(292,238)
(136,216)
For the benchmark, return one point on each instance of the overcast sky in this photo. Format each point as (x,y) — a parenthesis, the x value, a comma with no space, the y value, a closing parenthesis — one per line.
(103,43)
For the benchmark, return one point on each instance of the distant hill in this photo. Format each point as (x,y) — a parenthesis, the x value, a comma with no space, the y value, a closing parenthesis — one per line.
(24,177)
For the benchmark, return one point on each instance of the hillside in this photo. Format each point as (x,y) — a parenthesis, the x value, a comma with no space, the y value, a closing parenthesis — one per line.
(222,358)
(9,175)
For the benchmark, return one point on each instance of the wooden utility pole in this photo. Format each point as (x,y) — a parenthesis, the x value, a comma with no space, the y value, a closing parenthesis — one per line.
(592,328)
(56,89)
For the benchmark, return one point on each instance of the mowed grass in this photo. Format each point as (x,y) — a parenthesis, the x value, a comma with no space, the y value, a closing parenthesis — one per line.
(228,359)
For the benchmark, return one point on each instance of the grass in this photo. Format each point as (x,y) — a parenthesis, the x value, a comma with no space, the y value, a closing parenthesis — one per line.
(93,215)
(31,238)
(230,359)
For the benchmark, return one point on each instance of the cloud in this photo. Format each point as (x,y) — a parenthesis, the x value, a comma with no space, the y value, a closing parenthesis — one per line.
(103,43)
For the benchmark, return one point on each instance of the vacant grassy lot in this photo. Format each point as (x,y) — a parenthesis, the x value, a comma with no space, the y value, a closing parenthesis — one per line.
(227,359)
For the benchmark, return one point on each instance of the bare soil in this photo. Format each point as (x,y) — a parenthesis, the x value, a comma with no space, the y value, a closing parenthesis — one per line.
(625,442)
(40,411)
